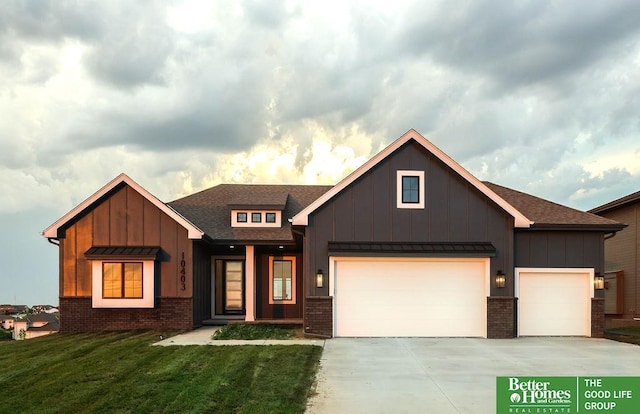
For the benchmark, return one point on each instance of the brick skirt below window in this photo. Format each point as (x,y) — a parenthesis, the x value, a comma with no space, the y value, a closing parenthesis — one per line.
(318,316)
(77,315)
(500,312)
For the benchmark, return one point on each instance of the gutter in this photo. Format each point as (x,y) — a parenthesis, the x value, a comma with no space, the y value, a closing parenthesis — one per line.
(53,241)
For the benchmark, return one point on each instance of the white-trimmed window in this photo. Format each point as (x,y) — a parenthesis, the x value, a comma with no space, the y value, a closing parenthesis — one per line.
(256,218)
(282,280)
(122,283)
(410,189)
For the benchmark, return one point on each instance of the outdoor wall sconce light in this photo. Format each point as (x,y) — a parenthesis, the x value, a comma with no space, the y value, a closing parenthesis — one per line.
(598,281)
(319,279)
(500,279)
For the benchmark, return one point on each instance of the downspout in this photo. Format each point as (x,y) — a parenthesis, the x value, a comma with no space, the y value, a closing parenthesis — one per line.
(610,235)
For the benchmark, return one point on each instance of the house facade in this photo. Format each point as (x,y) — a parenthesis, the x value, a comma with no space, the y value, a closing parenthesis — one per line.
(409,244)
(622,264)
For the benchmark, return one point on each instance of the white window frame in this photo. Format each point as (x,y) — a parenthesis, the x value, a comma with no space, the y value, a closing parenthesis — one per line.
(249,223)
(408,173)
(147,300)
(292,301)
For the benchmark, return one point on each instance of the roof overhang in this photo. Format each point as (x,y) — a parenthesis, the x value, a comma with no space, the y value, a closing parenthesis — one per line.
(51,232)
(520,220)
(463,249)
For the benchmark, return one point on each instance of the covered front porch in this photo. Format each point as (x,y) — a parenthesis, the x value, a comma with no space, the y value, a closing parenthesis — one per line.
(254,284)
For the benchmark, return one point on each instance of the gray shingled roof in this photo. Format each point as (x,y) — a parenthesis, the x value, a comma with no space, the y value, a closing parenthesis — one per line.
(210,209)
(545,213)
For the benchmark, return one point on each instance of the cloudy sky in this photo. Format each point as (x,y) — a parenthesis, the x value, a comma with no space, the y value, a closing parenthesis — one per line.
(541,96)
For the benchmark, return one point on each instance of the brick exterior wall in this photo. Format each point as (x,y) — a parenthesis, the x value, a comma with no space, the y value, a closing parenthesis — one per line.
(318,316)
(500,317)
(77,315)
(597,317)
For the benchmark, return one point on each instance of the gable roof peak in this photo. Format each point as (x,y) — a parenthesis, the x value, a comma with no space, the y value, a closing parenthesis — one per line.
(51,232)
(302,218)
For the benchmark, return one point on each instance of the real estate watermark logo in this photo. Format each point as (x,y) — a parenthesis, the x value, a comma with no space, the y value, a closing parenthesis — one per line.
(567,394)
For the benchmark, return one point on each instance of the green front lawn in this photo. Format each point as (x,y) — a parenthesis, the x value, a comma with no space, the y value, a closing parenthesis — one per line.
(120,372)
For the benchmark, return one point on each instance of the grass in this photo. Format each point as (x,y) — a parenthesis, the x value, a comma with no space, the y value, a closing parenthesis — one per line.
(629,334)
(254,331)
(121,373)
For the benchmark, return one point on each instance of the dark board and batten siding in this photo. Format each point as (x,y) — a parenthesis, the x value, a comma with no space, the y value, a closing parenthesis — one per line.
(455,211)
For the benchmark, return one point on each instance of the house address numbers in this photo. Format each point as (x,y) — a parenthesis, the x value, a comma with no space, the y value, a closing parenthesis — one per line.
(183,273)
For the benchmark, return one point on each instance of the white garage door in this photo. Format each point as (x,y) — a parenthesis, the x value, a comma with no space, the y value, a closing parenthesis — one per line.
(554,302)
(410,297)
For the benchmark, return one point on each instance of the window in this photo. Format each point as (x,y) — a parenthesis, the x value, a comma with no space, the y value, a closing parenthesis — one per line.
(282,280)
(122,280)
(255,218)
(410,189)
(122,284)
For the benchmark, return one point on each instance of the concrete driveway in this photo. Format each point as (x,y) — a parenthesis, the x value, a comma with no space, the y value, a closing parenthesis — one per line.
(451,375)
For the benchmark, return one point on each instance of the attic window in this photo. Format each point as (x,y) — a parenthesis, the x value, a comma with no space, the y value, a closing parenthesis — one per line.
(410,189)
(256,218)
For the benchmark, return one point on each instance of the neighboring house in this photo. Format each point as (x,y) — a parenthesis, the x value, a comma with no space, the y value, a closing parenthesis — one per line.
(34,326)
(13,309)
(622,255)
(6,321)
(409,244)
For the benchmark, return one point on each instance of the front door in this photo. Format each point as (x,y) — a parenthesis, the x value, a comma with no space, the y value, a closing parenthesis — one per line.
(233,286)
(228,286)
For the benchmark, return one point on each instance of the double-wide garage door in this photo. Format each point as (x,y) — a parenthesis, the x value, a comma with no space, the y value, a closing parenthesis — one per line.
(554,302)
(375,297)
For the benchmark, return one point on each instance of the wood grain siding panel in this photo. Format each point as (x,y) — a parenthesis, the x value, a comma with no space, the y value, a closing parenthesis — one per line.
(201,282)
(438,206)
(539,249)
(151,223)
(101,224)
(594,252)
(477,213)
(344,216)
(135,218)
(264,310)
(383,202)
(363,210)
(322,233)
(84,229)
(578,249)
(184,249)
(623,251)
(574,243)
(458,209)
(118,218)
(70,253)
(557,251)
(169,265)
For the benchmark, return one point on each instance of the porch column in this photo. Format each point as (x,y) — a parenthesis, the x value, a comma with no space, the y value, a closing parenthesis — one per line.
(250,285)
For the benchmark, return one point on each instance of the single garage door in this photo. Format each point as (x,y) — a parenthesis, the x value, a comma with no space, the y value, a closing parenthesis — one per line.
(554,302)
(377,297)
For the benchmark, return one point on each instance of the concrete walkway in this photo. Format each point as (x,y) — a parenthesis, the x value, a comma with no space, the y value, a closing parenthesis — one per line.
(451,375)
(202,336)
